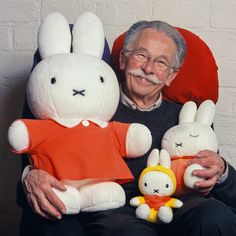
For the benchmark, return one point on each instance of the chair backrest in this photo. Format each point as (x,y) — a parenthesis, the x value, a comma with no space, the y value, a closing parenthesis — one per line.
(198,77)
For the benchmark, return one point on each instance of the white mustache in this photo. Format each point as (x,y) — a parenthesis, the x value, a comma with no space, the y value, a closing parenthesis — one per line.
(141,73)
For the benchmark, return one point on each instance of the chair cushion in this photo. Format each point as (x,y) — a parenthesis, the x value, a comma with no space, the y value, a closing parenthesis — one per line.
(197,79)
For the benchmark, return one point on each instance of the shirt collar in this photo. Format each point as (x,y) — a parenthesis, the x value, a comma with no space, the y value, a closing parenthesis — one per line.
(69,123)
(129,103)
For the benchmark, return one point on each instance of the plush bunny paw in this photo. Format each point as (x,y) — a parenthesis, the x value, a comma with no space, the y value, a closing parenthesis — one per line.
(134,201)
(177,203)
(18,136)
(138,140)
(189,178)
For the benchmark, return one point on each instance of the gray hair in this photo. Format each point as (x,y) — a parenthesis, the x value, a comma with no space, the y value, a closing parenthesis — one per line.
(159,26)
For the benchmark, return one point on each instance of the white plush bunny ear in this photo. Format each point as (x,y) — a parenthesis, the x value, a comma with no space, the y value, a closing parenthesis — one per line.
(206,112)
(88,35)
(165,159)
(54,35)
(188,112)
(153,158)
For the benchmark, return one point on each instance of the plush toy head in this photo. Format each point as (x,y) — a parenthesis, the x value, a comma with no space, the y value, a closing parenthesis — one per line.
(157,178)
(193,133)
(68,87)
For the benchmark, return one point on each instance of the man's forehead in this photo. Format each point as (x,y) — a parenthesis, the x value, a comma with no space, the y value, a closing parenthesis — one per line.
(154,41)
(153,36)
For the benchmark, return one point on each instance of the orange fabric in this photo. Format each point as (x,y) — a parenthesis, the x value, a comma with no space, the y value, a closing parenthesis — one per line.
(154,201)
(79,152)
(178,165)
(197,79)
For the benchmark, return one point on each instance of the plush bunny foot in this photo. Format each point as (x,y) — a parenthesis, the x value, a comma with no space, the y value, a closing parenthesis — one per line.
(143,211)
(71,199)
(101,196)
(165,214)
(189,179)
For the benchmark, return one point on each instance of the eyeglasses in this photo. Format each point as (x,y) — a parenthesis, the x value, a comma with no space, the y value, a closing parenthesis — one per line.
(142,57)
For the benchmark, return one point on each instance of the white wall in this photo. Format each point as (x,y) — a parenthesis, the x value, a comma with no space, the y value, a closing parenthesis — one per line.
(213,20)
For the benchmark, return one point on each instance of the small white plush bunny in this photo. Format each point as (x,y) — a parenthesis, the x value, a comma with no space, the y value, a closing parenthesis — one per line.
(185,140)
(157,183)
(75,95)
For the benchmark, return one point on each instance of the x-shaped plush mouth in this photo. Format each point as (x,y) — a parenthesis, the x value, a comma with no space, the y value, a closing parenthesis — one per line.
(81,92)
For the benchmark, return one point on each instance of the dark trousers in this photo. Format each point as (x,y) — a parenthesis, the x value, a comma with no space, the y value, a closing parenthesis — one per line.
(197,217)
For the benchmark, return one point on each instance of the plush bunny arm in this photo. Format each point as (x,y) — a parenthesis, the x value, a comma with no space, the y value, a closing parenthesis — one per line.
(136,201)
(174,203)
(138,140)
(18,136)
(189,179)
(177,203)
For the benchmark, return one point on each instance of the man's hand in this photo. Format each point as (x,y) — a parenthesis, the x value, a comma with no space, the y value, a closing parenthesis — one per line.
(40,196)
(214,167)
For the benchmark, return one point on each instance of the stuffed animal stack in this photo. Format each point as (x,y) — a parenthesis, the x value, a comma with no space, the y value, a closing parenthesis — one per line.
(185,140)
(73,96)
(157,183)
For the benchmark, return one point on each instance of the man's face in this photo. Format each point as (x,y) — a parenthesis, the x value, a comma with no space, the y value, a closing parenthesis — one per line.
(158,47)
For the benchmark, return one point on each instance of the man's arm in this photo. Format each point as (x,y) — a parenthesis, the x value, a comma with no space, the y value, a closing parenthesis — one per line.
(215,168)
(226,191)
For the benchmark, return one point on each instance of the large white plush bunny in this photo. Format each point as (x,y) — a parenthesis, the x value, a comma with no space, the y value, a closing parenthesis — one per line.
(75,95)
(157,183)
(185,140)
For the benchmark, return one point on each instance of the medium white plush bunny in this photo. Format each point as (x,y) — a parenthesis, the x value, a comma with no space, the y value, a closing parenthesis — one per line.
(157,183)
(185,140)
(75,95)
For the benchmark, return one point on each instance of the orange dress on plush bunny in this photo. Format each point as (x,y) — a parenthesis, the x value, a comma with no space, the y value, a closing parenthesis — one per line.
(179,165)
(80,152)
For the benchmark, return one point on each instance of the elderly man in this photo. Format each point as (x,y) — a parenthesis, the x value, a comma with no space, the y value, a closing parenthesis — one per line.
(151,57)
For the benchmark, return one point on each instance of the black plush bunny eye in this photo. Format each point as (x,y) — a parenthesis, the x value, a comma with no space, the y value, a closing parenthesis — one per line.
(101,79)
(53,80)
(145,184)
(167,185)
